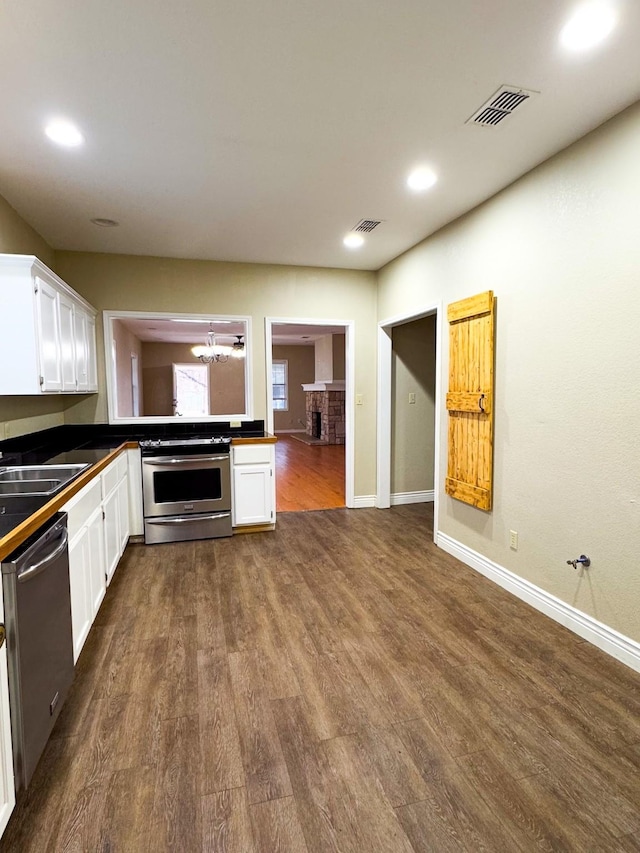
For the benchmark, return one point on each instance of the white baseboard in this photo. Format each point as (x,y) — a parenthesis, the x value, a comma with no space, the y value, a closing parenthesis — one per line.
(615,644)
(412,497)
(364,501)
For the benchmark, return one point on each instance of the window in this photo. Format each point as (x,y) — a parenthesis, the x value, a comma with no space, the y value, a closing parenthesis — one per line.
(279,378)
(191,389)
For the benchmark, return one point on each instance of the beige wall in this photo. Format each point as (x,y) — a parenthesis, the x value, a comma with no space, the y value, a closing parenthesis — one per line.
(120,282)
(126,344)
(338,357)
(19,415)
(413,424)
(560,249)
(301,367)
(324,359)
(226,380)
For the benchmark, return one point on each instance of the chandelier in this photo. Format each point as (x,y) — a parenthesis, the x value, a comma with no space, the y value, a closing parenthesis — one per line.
(237,347)
(211,352)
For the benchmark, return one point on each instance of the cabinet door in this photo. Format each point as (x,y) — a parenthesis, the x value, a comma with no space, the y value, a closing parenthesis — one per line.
(7,786)
(79,583)
(67,343)
(80,340)
(123,513)
(252,494)
(48,310)
(92,361)
(111,533)
(97,563)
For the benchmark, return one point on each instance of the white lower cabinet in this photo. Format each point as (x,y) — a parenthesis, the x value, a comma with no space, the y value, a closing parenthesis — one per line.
(98,532)
(80,587)
(253,484)
(134,476)
(96,562)
(7,786)
(111,533)
(115,505)
(87,578)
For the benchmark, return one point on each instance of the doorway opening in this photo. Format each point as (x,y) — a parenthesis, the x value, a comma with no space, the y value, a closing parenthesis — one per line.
(309,382)
(409,407)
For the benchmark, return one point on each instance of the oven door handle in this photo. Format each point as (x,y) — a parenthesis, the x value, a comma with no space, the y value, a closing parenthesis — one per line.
(162,461)
(186,518)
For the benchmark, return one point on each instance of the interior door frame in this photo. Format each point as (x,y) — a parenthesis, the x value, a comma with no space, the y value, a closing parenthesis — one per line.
(349,372)
(385,400)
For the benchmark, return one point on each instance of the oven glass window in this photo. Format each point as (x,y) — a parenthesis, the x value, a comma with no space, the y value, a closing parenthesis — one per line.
(187,486)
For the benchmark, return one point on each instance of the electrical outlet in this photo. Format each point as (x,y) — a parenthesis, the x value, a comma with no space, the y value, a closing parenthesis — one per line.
(412,397)
(359,400)
(513,540)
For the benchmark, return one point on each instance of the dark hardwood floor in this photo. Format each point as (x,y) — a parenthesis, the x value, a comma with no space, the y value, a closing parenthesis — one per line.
(309,477)
(336,685)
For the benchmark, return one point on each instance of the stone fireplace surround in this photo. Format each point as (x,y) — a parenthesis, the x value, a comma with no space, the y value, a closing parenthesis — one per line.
(329,402)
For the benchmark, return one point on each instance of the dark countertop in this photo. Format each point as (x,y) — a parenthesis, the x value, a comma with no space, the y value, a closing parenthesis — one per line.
(9,521)
(22,515)
(92,444)
(81,455)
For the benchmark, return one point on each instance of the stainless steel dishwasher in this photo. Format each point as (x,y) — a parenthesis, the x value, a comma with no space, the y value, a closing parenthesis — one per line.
(37,603)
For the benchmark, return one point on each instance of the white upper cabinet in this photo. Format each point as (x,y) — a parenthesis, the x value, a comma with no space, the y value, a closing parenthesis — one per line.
(47,331)
(86,371)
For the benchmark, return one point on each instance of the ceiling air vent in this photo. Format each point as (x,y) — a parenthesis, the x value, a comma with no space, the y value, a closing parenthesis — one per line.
(365,226)
(500,106)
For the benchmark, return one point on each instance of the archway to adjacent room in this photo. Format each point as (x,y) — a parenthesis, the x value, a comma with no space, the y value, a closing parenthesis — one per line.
(388,421)
(314,424)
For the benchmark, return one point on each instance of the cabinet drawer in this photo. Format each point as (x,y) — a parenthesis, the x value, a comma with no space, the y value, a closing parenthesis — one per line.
(82,505)
(252,454)
(110,476)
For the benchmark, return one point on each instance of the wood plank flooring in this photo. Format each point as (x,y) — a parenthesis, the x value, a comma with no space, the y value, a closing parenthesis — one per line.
(336,685)
(309,477)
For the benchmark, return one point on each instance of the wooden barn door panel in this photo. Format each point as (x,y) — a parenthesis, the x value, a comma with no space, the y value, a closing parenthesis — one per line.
(470,400)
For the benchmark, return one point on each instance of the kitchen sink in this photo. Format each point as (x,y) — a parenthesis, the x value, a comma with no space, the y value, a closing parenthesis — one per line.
(37,479)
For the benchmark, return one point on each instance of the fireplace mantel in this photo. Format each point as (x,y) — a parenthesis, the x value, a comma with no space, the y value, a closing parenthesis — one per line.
(335,385)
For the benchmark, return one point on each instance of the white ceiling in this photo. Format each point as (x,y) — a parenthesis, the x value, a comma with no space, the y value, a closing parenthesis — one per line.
(302,334)
(155,329)
(265,131)
(184,331)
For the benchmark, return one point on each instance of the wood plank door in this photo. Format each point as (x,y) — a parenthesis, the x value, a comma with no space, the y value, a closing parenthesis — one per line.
(470,400)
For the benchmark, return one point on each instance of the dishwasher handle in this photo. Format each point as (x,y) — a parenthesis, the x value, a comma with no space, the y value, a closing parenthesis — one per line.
(42,564)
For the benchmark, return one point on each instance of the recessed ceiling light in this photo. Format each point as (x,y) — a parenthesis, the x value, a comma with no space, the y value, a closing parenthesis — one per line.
(105,223)
(422,178)
(590,24)
(64,133)
(353,241)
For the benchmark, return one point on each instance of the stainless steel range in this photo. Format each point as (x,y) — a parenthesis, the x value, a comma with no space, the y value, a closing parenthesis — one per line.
(186,489)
